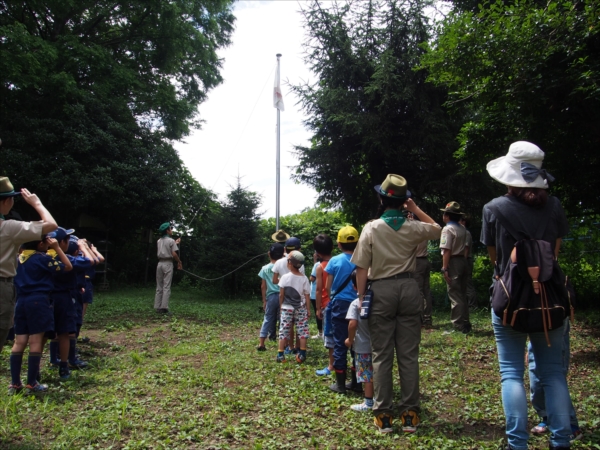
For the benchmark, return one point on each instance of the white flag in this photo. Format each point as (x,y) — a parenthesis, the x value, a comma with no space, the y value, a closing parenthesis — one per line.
(277,96)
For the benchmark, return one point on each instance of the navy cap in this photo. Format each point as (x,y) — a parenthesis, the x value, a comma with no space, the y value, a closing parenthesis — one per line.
(73,245)
(60,233)
(292,243)
(276,251)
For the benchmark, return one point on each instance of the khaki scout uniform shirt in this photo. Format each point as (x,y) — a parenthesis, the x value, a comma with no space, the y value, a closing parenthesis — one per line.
(166,247)
(454,239)
(13,233)
(422,250)
(387,252)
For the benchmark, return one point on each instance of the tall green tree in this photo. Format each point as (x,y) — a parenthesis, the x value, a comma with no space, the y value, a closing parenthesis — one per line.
(369,112)
(92,94)
(526,70)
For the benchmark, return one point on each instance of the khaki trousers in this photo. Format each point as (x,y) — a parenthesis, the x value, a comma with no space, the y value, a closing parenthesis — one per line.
(457,292)
(395,327)
(7,310)
(422,274)
(164,275)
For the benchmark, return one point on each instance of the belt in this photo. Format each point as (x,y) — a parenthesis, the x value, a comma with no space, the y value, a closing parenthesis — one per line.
(421,257)
(398,276)
(6,279)
(165,259)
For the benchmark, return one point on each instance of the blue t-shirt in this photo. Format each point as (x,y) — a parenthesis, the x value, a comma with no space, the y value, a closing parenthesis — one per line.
(340,268)
(35,273)
(67,281)
(266,273)
(313,284)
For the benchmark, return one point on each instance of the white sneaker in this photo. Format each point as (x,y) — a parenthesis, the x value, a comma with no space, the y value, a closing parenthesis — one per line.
(317,336)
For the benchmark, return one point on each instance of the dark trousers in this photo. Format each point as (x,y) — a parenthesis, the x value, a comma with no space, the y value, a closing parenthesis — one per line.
(340,333)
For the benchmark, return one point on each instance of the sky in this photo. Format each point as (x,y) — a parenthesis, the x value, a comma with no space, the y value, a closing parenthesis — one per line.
(239,133)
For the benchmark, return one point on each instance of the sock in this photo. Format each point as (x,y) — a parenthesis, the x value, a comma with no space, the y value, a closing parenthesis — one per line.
(369,402)
(54,352)
(78,331)
(16,362)
(303,352)
(72,344)
(33,368)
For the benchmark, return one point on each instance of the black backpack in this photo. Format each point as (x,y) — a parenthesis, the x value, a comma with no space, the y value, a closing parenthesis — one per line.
(531,295)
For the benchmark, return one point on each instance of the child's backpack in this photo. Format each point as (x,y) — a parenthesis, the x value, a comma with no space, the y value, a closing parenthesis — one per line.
(532,295)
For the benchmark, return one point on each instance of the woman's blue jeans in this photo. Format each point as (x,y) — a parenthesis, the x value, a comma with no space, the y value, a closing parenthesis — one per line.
(271,315)
(549,367)
(538,399)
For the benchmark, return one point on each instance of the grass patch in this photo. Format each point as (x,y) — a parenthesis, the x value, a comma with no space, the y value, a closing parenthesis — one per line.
(194,380)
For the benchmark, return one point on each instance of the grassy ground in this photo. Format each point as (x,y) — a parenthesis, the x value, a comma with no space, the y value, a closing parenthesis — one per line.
(195,380)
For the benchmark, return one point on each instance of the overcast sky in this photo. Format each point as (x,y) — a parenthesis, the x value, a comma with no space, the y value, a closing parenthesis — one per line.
(238,136)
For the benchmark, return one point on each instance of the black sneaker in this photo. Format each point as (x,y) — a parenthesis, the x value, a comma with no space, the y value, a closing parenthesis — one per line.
(261,348)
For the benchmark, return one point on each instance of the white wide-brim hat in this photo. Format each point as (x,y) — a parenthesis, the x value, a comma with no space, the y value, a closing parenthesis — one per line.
(521,167)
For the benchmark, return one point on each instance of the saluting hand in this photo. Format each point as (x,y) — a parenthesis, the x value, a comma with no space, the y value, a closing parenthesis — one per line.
(30,198)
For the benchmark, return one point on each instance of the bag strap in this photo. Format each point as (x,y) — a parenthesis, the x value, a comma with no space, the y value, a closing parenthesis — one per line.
(342,286)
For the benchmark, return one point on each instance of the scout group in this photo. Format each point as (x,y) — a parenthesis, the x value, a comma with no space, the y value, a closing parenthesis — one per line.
(46,277)
(335,284)
(373,300)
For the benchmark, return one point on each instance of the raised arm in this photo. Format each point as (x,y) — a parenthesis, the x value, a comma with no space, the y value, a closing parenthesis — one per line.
(48,222)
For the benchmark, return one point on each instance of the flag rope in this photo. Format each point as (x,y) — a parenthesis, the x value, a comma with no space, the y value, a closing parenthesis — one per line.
(235,270)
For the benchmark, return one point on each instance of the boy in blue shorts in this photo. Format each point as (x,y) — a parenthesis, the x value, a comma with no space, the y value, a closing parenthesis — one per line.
(33,311)
(339,274)
(62,295)
(270,296)
(359,340)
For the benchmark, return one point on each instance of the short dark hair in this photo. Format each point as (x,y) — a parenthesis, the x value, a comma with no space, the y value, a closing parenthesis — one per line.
(348,246)
(453,216)
(323,244)
(31,245)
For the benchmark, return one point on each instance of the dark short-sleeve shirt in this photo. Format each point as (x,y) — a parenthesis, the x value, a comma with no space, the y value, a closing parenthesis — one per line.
(550,225)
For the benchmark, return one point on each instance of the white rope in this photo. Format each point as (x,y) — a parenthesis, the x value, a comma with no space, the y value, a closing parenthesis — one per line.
(235,270)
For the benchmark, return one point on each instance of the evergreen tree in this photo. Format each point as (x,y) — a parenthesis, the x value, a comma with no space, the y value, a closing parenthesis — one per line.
(370,112)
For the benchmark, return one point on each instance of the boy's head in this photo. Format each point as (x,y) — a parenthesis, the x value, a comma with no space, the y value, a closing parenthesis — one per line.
(292,244)
(296,259)
(73,247)
(62,236)
(276,251)
(39,246)
(165,229)
(347,238)
(323,245)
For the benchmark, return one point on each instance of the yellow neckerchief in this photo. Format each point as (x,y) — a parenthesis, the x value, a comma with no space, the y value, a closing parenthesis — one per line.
(51,252)
(25,254)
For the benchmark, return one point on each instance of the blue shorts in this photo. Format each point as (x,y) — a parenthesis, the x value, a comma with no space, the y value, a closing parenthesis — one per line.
(88,295)
(64,312)
(34,314)
(78,296)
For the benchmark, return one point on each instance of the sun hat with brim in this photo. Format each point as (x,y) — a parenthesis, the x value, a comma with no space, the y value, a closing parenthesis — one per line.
(7,189)
(60,233)
(394,186)
(280,236)
(521,167)
(453,207)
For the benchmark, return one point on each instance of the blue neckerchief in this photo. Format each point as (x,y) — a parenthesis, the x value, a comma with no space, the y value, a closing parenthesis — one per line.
(394,218)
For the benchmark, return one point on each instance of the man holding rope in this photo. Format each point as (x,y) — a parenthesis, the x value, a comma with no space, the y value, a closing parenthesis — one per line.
(167,252)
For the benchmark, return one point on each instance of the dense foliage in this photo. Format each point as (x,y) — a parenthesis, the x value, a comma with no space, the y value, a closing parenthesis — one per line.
(93,92)
(526,70)
(369,112)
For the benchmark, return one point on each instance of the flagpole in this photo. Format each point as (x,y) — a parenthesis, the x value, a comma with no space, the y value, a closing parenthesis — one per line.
(278,139)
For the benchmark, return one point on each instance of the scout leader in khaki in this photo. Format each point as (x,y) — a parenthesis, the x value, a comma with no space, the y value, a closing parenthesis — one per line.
(454,265)
(13,233)
(167,253)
